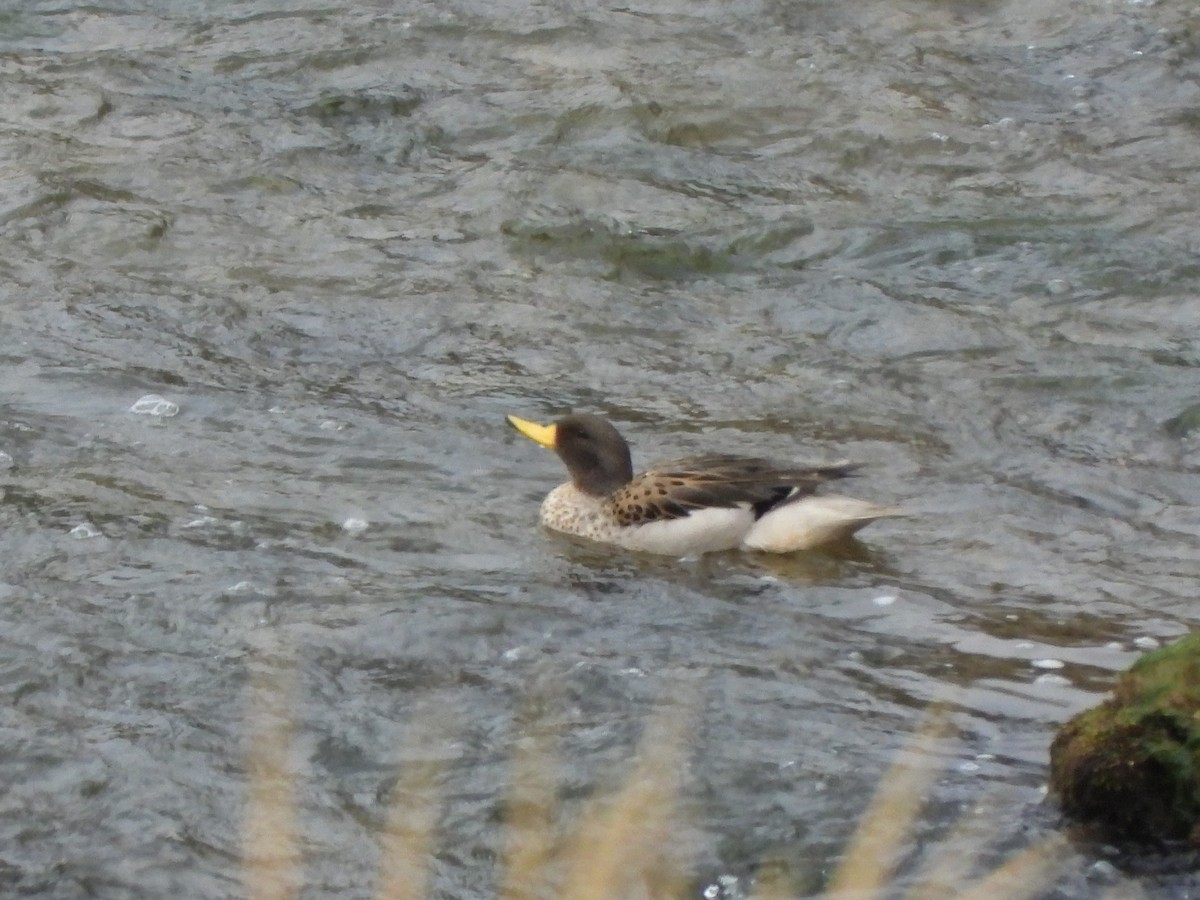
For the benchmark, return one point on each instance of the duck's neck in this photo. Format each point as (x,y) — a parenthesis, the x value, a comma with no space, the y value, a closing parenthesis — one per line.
(599,477)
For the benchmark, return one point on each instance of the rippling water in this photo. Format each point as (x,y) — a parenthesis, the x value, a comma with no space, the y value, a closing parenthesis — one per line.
(956,241)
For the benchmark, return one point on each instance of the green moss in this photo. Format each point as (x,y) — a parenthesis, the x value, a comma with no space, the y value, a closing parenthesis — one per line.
(1132,765)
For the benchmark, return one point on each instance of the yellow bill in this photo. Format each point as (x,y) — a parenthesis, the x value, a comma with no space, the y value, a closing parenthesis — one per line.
(546,435)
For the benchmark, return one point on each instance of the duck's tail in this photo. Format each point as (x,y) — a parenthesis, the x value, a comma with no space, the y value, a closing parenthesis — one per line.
(812,521)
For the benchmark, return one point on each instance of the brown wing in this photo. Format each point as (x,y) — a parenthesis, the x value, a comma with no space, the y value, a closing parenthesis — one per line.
(672,490)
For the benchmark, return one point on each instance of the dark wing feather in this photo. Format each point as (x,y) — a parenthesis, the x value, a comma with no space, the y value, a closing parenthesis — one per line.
(672,490)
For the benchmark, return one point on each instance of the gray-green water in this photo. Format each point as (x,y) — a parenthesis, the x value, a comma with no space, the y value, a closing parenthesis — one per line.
(956,241)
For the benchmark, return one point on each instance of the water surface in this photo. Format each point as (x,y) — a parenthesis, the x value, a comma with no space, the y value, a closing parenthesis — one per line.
(954,241)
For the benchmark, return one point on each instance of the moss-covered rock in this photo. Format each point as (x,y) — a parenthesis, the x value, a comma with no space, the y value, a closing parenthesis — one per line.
(1132,765)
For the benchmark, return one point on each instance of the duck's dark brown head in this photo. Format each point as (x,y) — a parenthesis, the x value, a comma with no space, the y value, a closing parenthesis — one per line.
(593,450)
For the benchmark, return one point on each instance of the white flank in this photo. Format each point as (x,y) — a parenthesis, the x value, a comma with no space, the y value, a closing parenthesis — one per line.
(703,531)
(811,522)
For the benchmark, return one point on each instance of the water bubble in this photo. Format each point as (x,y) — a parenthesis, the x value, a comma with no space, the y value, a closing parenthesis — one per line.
(6,460)
(85,530)
(1047,663)
(1146,643)
(726,886)
(355,526)
(1052,679)
(154,405)
(1105,870)
(884,600)
(1003,124)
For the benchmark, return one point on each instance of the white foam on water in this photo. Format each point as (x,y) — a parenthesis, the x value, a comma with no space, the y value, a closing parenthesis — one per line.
(154,405)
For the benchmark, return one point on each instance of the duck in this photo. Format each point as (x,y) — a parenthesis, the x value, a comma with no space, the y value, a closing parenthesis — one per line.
(688,507)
